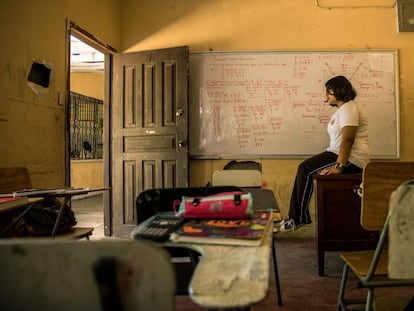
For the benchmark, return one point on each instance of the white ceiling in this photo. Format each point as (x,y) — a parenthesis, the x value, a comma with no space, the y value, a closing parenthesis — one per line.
(85,58)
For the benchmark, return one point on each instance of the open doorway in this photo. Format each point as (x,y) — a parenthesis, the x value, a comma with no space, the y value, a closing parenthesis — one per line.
(86,114)
(87,125)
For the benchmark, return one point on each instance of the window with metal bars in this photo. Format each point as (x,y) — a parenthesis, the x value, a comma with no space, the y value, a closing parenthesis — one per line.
(86,127)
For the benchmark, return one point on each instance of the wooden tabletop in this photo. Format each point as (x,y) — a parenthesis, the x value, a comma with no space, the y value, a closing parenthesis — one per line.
(18,204)
(229,276)
(57,192)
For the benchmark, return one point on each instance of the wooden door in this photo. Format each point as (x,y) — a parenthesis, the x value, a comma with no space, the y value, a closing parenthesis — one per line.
(149,130)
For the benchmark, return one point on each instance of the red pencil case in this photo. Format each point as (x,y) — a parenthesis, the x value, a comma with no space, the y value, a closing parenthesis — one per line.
(222,205)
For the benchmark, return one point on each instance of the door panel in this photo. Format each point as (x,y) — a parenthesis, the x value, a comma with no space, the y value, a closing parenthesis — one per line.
(149,128)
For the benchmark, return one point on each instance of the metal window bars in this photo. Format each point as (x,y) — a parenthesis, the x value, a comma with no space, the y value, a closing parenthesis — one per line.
(86,127)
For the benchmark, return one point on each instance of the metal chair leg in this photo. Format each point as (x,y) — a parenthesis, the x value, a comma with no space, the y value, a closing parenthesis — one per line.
(278,292)
(342,288)
(370,299)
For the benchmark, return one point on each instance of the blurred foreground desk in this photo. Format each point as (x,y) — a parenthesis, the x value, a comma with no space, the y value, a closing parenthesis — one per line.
(229,277)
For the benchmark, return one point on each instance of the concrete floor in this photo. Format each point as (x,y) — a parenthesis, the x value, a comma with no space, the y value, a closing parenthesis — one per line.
(302,288)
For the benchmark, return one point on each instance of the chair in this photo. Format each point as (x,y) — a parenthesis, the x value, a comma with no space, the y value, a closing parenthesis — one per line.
(401,232)
(379,180)
(242,178)
(248,177)
(401,250)
(47,274)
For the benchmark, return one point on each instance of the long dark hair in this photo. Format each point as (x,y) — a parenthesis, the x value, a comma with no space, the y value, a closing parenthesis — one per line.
(342,88)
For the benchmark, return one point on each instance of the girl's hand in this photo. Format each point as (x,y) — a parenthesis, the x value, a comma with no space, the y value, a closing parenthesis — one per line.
(331,171)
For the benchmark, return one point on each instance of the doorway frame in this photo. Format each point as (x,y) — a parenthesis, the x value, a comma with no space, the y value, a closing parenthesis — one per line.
(75,30)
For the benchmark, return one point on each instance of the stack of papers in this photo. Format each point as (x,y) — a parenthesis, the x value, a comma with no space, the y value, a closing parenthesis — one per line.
(46,191)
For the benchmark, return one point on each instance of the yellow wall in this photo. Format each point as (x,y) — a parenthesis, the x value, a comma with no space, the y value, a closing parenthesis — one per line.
(88,84)
(86,173)
(32,128)
(223,25)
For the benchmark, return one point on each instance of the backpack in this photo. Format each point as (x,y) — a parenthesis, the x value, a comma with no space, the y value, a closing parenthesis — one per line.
(41,218)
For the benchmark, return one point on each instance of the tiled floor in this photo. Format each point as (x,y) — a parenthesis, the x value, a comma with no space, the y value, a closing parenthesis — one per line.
(89,213)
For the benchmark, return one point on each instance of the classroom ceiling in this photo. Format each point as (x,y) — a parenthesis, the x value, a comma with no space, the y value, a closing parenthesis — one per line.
(85,58)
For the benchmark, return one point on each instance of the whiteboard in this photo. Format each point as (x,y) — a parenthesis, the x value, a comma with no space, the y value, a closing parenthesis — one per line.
(271,103)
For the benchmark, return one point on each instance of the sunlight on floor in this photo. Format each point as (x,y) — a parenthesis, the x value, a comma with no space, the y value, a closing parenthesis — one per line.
(89,213)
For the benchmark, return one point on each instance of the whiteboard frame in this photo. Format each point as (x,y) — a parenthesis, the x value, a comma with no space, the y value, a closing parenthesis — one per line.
(395,53)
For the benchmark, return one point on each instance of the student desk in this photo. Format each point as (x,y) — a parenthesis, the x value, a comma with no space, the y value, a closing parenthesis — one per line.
(67,196)
(228,276)
(18,205)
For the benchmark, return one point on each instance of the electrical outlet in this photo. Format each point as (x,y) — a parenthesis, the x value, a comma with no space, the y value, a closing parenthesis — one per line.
(60,99)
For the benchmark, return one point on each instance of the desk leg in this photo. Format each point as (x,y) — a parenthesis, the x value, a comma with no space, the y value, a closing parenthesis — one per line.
(16,219)
(60,214)
(277,281)
(321,261)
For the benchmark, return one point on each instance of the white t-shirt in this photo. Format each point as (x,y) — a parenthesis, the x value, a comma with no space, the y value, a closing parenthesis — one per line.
(350,114)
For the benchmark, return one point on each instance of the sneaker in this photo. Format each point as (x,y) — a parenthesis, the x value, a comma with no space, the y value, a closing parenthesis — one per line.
(283,221)
(287,225)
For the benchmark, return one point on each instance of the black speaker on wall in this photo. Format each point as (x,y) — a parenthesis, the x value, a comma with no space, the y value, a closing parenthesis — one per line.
(405,10)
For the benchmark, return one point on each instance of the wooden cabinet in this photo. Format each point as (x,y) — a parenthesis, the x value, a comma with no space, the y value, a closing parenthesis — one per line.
(338,210)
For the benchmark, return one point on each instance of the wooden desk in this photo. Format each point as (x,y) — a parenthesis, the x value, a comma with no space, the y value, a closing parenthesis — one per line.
(18,205)
(338,211)
(229,276)
(66,195)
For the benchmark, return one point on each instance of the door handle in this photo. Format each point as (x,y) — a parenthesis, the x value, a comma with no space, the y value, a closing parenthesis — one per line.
(182,143)
(179,112)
